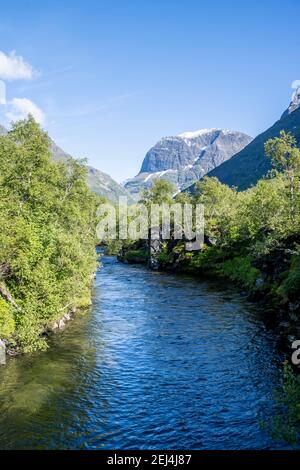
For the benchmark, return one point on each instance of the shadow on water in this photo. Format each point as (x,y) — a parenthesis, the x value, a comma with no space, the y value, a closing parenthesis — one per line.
(160,361)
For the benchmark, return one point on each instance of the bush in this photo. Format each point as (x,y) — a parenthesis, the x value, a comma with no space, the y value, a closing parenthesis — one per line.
(7,321)
(291,286)
(240,270)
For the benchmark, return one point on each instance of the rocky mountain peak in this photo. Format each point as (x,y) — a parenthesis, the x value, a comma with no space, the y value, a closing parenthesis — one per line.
(295,101)
(294,104)
(187,157)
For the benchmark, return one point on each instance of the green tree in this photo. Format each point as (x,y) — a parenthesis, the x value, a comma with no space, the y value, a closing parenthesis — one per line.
(162,191)
(47,245)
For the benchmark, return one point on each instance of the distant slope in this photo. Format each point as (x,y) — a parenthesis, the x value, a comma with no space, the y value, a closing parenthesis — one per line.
(103,184)
(3,131)
(185,158)
(99,182)
(248,166)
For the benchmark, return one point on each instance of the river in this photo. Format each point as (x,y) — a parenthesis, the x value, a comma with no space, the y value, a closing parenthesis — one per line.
(160,361)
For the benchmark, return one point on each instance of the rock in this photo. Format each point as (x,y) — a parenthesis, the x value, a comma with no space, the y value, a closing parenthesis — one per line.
(155,245)
(67,317)
(295,103)
(259,282)
(294,316)
(291,338)
(54,326)
(61,324)
(2,353)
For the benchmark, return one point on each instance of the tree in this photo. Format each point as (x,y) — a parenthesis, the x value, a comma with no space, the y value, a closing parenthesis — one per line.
(162,191)
(47,241)
(285,157)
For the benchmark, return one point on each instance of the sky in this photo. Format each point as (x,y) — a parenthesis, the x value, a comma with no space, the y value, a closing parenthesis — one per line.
(108,79)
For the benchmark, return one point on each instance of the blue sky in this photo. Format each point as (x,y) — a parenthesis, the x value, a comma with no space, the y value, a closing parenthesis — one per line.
(111,78)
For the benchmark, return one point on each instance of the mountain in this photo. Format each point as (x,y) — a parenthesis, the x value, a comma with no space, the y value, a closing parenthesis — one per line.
(248,166)
(185,158)
(3,131)
(99,182)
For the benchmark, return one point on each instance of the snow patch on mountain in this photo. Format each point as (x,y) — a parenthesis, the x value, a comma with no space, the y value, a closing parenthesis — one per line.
(185,158)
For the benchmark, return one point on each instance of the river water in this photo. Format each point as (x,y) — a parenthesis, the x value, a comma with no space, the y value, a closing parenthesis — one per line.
(160,361)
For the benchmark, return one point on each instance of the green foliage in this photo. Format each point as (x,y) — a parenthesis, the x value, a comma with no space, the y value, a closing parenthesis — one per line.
(207,259)
(136,256)
(7,321)
(162,191)
(47,241)
(240,270)
(285,424)
(291,285)
(284,153)
(165,256)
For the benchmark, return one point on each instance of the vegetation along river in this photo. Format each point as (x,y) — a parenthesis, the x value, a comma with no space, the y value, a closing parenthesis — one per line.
(160,361)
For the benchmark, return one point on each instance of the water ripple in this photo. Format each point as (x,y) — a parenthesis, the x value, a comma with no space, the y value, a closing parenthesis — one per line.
(160,361)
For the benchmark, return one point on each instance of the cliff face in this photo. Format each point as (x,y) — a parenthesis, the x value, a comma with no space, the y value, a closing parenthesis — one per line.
(249,165)
(187,157)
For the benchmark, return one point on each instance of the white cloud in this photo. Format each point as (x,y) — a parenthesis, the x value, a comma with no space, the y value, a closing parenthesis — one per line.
(295,84)
(14,67)
(2,92)
(19,108)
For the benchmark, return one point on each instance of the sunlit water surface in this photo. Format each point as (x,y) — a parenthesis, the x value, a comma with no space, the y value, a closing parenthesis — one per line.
(160,361)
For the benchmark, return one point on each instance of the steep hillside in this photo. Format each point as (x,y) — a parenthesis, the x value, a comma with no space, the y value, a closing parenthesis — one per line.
(248,166)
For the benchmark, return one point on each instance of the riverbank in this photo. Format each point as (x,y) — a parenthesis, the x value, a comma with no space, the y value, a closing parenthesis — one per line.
(12,347)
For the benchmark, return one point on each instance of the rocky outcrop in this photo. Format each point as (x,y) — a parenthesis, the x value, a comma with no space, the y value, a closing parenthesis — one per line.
(187,157)
(294,104)
(60,324)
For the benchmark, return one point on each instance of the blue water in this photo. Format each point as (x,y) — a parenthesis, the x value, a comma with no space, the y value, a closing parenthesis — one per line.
(161,362)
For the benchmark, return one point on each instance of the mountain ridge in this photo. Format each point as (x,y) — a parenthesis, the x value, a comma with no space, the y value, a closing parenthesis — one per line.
(185,158)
